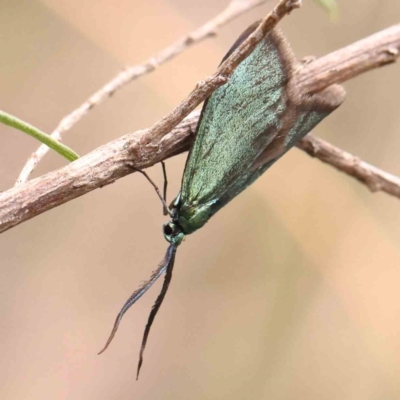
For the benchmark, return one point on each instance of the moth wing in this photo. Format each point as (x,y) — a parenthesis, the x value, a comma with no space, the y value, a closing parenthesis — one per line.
(305,116)
(239,120)
(248,124)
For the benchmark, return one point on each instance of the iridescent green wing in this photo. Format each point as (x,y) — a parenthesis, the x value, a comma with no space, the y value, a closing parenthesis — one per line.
(238,121)
(305,115)
(245,126)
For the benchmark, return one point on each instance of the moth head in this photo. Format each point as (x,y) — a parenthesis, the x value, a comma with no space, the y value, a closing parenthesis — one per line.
(173,233)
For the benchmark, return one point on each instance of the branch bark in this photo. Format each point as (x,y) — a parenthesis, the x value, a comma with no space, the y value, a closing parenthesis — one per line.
(147,147)
(234,9)
(372,177)
(375,51)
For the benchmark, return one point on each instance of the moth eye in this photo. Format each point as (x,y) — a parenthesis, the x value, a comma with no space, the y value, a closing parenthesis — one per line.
(168,229)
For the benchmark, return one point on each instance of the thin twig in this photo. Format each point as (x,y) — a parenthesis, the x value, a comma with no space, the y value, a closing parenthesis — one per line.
(234,9)
(374,178)
(374,51)
(108,163)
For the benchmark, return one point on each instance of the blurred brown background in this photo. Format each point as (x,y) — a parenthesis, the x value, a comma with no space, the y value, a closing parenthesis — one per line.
(291,292)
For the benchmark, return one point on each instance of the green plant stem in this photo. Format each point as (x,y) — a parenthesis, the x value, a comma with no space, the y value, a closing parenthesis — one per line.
(46,139)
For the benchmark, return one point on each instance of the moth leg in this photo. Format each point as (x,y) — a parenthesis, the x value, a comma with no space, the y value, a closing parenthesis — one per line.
(154,186)
(164,170)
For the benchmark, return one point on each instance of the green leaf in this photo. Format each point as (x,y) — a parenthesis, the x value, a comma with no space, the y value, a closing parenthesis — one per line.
(330,6)
(62,149)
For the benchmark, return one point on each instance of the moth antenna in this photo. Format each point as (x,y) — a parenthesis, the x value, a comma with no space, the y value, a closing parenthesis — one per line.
(137,294)
(169,261)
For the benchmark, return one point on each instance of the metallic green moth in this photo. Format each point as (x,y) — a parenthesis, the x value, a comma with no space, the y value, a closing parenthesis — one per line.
(245,126)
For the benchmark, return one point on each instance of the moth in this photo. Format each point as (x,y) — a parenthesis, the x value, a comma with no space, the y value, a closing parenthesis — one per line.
(245,126)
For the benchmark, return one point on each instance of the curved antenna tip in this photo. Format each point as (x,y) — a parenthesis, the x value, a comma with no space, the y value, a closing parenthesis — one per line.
(168,262)
(137,294)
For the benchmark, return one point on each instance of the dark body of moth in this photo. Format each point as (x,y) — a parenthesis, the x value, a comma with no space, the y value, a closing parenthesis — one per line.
(245,126)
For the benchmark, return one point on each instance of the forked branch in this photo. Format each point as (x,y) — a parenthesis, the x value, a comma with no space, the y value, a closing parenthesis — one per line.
(234,9)
(147,147)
